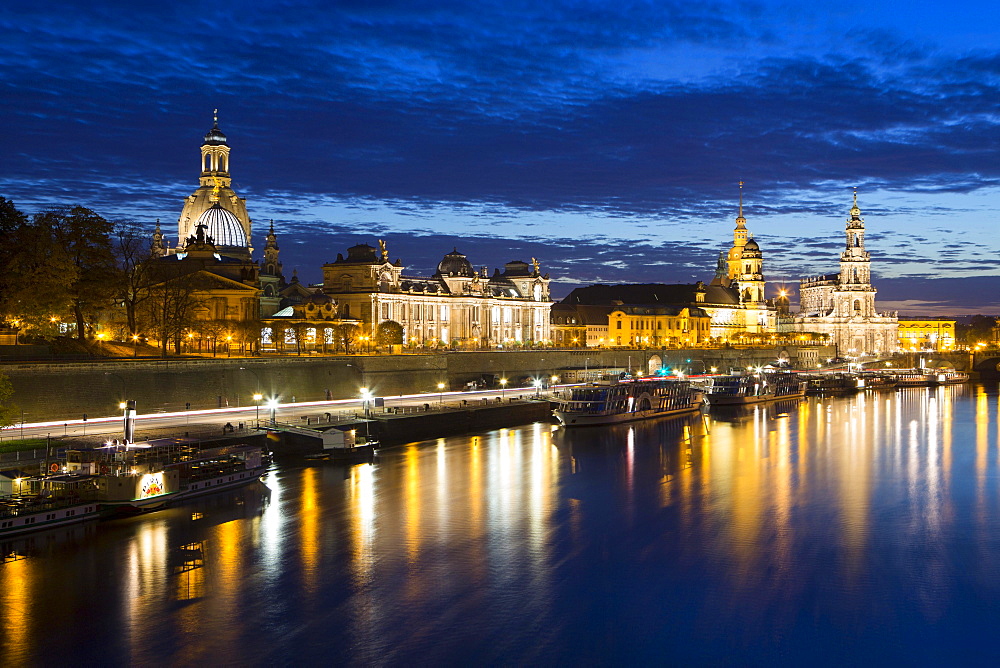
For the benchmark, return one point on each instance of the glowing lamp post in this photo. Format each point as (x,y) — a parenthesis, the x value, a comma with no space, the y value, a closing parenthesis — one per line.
(503,387)
(440,394)
(257,397)
(135,345)
(538,387)
(273,405)
(366,396)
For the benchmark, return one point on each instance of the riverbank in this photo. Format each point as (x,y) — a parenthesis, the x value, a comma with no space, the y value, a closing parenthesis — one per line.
(65,391)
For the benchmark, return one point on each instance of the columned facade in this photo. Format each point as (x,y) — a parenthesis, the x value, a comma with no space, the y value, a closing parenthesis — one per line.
(457,307)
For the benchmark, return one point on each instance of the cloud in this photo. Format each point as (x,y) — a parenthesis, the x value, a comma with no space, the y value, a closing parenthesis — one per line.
(581,129)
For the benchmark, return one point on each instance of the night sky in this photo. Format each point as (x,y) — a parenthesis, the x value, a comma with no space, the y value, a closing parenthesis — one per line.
(604,138)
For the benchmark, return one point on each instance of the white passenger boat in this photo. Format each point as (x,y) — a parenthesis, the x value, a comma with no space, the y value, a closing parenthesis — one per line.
(113,480)
(609,402)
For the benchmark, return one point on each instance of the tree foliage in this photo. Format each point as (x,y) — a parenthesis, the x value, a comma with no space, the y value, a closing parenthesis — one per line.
(389,333)
(979,328)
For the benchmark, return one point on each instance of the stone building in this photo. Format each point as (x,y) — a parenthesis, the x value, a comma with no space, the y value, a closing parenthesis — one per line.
(926,334)
(842,305)
(734,302)
(458,306)
(213,255)
(313,323)
(640,314)
(659,326)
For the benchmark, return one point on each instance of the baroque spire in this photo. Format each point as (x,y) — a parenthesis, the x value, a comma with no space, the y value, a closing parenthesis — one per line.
(740,220)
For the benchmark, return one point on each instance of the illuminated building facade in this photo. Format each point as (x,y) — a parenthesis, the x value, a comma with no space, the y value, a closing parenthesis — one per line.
(930,334)
(842,306)
(659,326)
(457,306)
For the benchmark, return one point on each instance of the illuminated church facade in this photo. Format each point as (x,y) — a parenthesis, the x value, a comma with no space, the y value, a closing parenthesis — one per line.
(214,248)
(842,305)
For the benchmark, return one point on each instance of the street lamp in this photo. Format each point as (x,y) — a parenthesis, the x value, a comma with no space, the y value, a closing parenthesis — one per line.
(135,346)
(257,397)
(538,387)
(440,394)
(257,394)
(128,406)
(273,405)
(365,398)
(503,387)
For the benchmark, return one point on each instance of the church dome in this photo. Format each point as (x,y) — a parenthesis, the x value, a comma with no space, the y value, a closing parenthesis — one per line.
(751,245)
(215,136)
(455,264)
(224,228)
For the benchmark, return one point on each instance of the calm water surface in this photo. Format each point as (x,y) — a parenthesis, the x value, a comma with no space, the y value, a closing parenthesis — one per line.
(851,530)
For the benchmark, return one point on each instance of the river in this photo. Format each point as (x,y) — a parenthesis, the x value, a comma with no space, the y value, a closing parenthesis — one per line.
(859,530)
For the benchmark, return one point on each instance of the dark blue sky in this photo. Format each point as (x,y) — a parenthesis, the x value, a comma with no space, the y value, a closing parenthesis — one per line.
(604,138)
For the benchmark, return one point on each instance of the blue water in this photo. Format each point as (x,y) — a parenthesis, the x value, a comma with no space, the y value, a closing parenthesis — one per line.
(862,530)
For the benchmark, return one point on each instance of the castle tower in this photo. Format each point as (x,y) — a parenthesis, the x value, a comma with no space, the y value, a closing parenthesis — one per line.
(215,190)
(857,296)
(751,277)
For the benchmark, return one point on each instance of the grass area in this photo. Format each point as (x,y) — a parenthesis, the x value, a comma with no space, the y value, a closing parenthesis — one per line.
(15,444)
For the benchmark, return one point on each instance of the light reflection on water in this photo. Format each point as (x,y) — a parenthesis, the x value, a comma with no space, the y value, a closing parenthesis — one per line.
(826,530)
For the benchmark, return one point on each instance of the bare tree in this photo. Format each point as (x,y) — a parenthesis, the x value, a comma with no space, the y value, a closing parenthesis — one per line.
(346,335)
(134,270)
(171,305)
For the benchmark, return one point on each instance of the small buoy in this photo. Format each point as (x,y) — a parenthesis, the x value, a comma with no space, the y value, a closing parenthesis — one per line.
(54,467)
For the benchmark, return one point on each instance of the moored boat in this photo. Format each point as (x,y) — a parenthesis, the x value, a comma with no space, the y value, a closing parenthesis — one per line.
(755,388)
(125,479)
(834,383)
(949,377)
(44,502)
(609,402)
(913,378)
(878,380)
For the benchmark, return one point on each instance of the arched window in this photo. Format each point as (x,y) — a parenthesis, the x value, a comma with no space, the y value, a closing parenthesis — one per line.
(857,305)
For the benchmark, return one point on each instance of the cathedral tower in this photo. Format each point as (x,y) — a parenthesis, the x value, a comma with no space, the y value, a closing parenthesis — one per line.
(857,296)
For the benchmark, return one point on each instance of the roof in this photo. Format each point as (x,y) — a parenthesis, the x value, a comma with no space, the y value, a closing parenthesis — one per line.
(651,294)
(588,314)
(455,264)
(693,311)
(223,227)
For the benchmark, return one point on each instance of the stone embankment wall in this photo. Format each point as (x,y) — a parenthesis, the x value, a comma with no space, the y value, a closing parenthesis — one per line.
(54,391)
